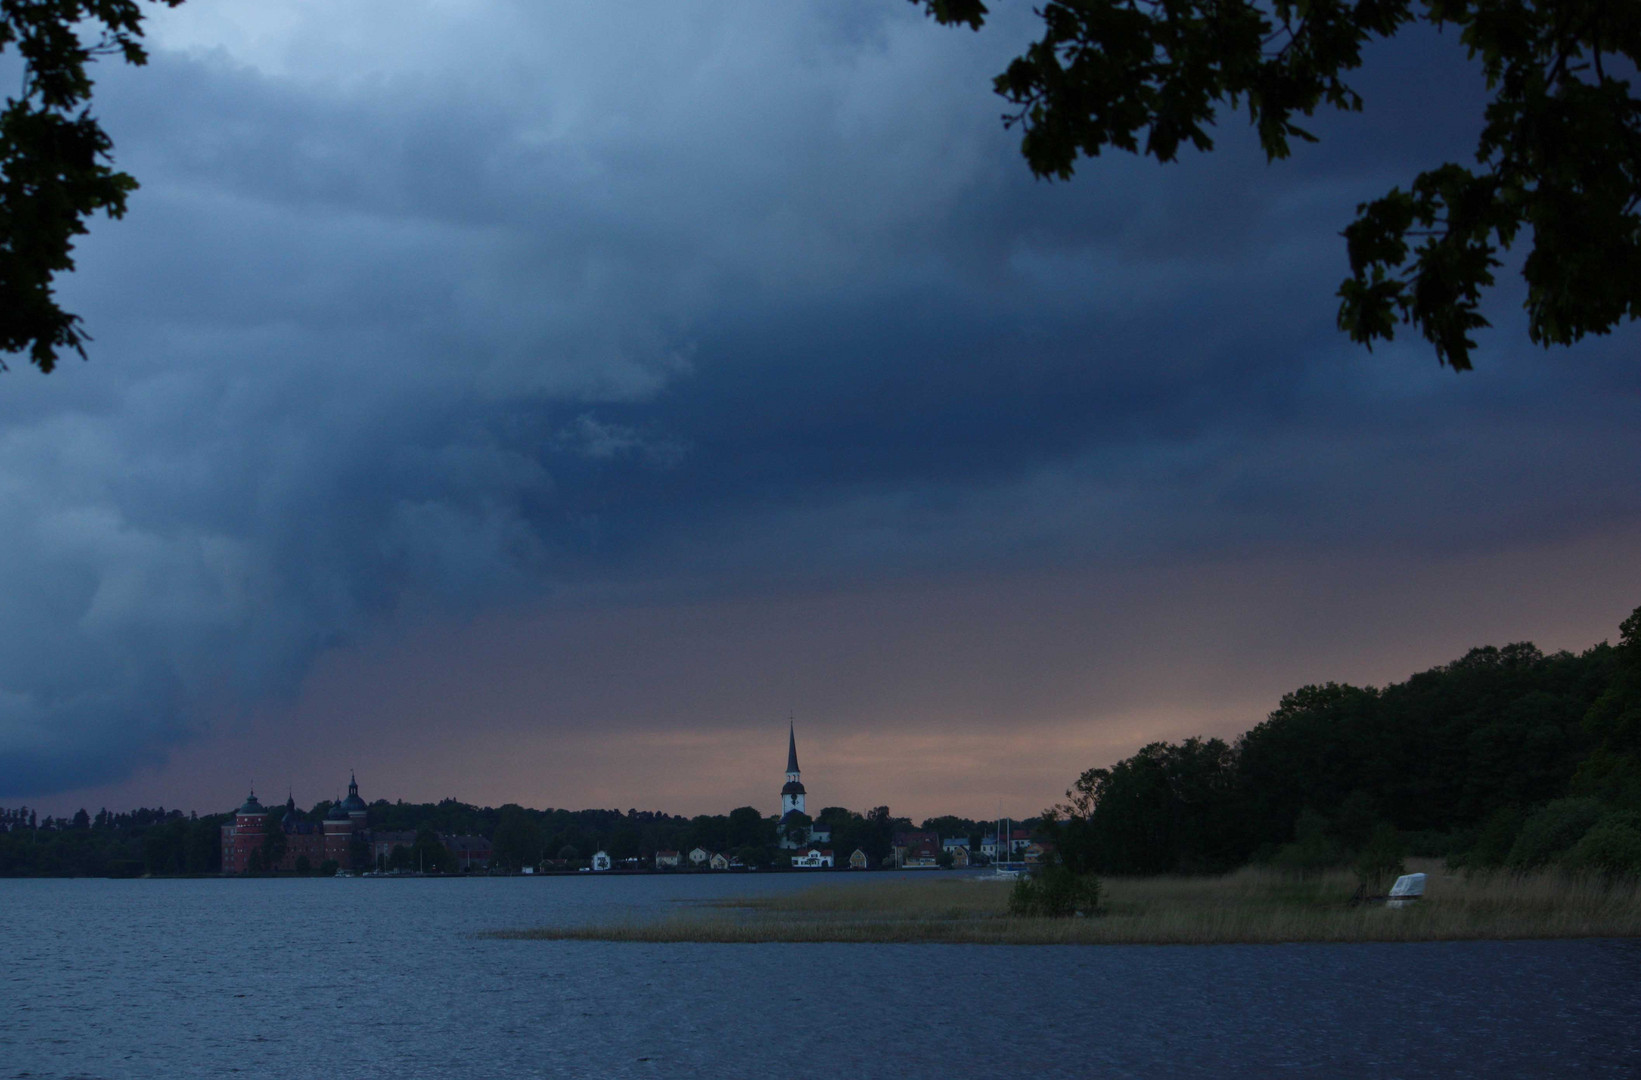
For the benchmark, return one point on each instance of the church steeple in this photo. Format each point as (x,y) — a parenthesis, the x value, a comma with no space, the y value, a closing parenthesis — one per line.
(792,792)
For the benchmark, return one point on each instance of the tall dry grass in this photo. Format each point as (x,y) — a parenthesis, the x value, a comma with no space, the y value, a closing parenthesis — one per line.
(1250,905)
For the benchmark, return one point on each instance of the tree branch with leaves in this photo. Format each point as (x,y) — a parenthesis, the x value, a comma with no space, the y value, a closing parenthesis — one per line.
(1559,157)
(55,160)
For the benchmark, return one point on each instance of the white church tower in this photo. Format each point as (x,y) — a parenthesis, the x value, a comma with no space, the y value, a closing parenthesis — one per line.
(792,793)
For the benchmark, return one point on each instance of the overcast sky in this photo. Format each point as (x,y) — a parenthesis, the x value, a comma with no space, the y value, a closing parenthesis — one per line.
(541,402)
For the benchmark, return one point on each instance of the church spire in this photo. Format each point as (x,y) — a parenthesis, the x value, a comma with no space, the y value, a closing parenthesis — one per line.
(792,831)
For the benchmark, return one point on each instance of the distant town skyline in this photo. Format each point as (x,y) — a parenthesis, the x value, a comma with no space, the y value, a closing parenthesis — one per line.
(538,403)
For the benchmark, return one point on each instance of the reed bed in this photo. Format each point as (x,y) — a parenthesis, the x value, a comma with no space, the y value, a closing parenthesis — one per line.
(1250,906)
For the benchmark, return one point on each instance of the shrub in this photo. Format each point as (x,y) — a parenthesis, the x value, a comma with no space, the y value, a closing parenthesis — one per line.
(1055,893)
(1382,860)
(1611,848)
(329,867)
(1496,839)
(1311,851)
(1434,843)
(1354,821)
(1551,830)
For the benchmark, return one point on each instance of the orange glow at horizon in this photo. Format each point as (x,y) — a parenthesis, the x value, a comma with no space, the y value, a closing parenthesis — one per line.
(968,697)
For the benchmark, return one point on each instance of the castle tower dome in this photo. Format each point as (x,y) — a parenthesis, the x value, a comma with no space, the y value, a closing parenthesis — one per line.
(353,819)
(251,807)
(353,804)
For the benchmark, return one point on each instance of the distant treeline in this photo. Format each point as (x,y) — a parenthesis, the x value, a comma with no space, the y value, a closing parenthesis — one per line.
(1504,757)
(143,841)
(523,837)
(161,841)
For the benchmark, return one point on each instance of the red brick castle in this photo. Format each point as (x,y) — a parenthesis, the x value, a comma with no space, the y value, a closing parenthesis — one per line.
(243,842)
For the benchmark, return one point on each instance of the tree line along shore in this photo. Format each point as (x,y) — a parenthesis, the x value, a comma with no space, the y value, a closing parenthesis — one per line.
(1506,758)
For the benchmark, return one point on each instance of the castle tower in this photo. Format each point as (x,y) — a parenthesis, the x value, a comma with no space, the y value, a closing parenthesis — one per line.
(792,793)
(243,836)
(338,834)
(355,807)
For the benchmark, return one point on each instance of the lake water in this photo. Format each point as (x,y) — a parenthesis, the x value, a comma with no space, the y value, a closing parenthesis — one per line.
(384,978)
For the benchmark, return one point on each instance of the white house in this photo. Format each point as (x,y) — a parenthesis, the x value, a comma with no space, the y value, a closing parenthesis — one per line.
(666,858)
(601,860)
(814,858)
(1018,840)
(720,861)
(699,857)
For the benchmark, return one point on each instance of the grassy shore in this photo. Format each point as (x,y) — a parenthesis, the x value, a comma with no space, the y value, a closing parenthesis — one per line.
(1251,905)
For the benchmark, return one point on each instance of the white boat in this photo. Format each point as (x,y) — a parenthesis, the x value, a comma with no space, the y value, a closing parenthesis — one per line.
(1003,867)
(1408,890)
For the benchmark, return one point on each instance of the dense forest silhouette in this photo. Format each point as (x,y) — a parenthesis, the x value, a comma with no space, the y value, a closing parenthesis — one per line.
(1504,757)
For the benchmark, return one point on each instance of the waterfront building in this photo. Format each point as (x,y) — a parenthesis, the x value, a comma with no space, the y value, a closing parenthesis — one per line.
(471,852)
(917,850)
(858,860)
(1016,841)
(384,841)
(306,844)
(699,857)
(814,858)
(665,858)
(601,860)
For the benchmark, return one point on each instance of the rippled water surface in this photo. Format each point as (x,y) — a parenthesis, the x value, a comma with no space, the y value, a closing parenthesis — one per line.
(384,978)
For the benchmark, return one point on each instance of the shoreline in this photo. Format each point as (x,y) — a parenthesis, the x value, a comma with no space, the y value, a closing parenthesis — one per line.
(1250,906)
(218,875)
(656,935)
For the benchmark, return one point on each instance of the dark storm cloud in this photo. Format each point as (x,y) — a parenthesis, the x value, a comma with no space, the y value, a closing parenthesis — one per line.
(515,298)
